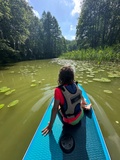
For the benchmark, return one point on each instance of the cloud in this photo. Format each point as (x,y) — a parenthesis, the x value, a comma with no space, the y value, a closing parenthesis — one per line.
(72,28)
(36,13)
(66,2)
(69,37)
(77,7)
(72,37)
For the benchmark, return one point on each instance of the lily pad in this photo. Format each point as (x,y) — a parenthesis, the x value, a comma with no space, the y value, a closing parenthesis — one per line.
(9,92)
(33,81)
(113,75)
(12,72)
(90,76)
(101,79)
(117,122)
(1,106)
(13,103)
(33,85)
(85,82)
(107,91)
(39,82)
(4,89)
(90,81)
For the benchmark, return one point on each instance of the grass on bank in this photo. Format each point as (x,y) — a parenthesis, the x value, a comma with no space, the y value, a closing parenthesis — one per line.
(99,55)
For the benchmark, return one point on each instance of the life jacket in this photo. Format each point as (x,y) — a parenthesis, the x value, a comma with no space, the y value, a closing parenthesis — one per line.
(72,98)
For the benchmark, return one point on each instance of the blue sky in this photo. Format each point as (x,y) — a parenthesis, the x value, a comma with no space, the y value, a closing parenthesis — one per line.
(66,13)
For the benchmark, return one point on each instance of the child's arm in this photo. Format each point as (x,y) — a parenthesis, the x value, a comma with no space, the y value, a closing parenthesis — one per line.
(47,129)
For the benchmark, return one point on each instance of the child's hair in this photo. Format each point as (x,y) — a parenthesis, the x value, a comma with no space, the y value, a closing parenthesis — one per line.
(66,75)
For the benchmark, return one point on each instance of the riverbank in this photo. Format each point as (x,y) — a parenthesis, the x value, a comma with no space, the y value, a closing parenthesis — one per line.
(99,55)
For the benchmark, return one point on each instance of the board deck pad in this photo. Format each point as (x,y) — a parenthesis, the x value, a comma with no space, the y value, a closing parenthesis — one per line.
(89,143)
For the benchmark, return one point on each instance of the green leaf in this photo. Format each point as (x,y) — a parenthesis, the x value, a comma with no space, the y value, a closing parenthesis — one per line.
(9,92)
(1,106)
(101,79)
(4,89)
(107,91)
(33,85)
(13,103)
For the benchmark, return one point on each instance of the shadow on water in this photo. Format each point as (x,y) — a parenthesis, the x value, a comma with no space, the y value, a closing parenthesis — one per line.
(6,66)
(79,134)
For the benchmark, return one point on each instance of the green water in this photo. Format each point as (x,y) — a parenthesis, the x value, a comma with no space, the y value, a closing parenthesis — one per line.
(18,123)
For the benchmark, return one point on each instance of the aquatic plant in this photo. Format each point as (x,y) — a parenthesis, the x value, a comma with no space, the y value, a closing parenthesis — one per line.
(33,81)
(98,55)
(13,103)
(1,106)
(12,72)
(117,122)
(101,79)
(39,82)
(33,85)
(9,92)
(107,91)
(4,89)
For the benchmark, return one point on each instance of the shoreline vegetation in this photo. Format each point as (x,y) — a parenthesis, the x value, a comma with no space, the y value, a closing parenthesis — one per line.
(24,37)
(99,55)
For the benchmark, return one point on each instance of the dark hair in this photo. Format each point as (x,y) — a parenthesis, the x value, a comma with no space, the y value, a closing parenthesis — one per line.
(66,75)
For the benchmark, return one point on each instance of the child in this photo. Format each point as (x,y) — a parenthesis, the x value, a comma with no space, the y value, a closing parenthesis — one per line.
(68,100)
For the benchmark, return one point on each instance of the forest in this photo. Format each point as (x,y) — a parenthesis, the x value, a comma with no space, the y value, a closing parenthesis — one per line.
(23,36)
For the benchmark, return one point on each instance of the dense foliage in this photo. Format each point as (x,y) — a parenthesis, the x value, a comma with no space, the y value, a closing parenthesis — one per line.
(98,32)
(23,36)
(98,55)
(99,24)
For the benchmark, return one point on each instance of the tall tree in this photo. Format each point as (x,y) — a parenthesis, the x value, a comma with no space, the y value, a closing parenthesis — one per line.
(98,24)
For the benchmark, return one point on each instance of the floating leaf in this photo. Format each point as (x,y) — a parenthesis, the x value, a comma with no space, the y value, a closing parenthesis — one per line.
(33,85)
(90,81)
(107,91)
(4,89)
(117,122)
(13,103)
(33,81)
(39,82)
(12,72)
(113,75)
(1,106)
(80,81)
(85,82)
(9,92)
(101,79)
(90,76)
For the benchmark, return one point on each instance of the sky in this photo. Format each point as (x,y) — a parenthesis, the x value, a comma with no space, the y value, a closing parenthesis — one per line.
(66,13)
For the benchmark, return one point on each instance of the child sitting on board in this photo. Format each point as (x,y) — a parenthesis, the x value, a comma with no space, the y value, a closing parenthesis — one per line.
(68,100)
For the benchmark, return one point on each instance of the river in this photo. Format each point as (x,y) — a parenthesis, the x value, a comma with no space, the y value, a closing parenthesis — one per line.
(31,84)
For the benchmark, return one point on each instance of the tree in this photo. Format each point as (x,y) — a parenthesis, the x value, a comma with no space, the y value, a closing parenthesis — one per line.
(98,24)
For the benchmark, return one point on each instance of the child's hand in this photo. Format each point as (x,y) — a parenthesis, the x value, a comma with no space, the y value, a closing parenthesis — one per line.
(46,130)
(87,107)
